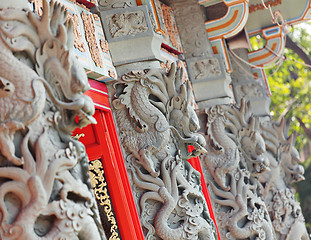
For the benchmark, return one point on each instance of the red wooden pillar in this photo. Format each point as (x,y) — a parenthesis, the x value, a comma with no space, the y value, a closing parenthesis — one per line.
(195,163)
(102,143)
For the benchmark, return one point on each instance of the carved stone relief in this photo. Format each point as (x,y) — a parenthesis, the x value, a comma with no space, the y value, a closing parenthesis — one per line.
(109,4)
(104,45)
(157,123)
(246,86)
(207,68)
(91,38)
(249,90)
(236,157)
(44,190)
(78,42)
(124,24)
(279,195)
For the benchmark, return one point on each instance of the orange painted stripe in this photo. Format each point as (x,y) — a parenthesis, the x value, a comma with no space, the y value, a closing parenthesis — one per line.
(215,50)
(156,16)
(264,55)
(225,24)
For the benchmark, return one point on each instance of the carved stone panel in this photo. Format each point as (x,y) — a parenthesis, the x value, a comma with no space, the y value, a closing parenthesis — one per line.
(205,68)
(236,158)
(131,36)
(112,4)
(45,192)
(246,86)
(125,23)
(157,123)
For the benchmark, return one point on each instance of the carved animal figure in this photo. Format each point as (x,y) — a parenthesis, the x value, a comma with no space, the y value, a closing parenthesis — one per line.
(229,135)
(44,198)
(237,156)
(157,124)
(284,209)
(48,52)
(128,23)
(226,155)
(143,105)
(18,107)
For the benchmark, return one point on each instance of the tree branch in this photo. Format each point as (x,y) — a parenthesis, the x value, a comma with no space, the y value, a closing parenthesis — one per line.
(297,49)
(305,129)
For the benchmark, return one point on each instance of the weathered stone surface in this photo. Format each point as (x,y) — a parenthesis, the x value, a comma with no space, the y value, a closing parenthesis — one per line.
(236,157)
(206,70)
(130,35)
(279,195)
(44,190)
(156,124)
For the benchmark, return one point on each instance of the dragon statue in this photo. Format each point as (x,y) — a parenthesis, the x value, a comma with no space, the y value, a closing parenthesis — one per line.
(157,123)
(44,192)
(236,157)
(284,209)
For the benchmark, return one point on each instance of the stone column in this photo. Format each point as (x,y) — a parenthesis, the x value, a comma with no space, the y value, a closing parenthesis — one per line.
(206,70)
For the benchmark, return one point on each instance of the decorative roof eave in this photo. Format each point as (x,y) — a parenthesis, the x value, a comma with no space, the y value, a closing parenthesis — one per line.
(254,27)
(269,54)
(274,47)
(228,26)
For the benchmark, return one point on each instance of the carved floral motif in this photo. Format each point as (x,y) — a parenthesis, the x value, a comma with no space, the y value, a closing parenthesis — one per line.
(157,123)
(44,192)
(99,185)
(206,68)
(171,27)
(89,29)
(78,42)
(104,45)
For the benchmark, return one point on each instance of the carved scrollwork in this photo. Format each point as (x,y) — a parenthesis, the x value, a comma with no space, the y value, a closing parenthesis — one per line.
(44,193)
(157,123)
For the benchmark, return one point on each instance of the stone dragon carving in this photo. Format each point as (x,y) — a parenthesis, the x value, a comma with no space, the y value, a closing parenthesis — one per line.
(236,157)
(44,192)
(279,195)
(157,124)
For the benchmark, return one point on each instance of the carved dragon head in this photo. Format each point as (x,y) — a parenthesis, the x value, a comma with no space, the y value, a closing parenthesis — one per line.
(47,41)
(283,151)
(179,111)
(171,99)
(229,128)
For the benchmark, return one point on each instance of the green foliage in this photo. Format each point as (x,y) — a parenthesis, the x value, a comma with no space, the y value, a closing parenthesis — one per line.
(291,87)
(291,98)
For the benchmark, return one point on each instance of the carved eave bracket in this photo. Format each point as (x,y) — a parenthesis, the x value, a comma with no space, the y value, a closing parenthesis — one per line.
(228,26)
(270,53)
